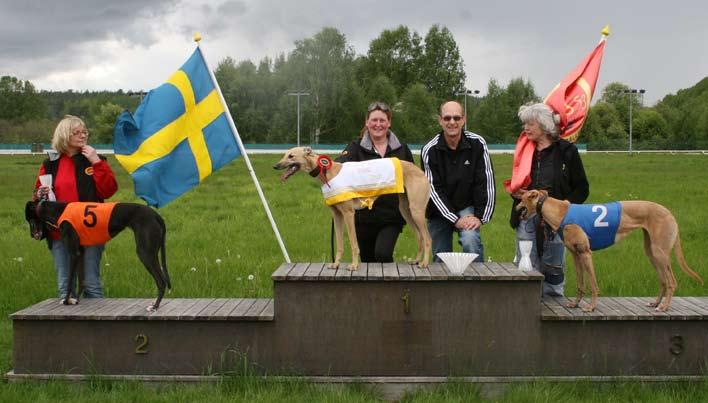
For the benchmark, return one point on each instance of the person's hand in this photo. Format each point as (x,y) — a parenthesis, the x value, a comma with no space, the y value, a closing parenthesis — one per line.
(468,223)
(90,154)
(42,192)
(519,193)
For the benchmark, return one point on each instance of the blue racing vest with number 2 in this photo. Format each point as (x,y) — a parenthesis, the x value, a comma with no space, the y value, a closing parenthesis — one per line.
(599,221)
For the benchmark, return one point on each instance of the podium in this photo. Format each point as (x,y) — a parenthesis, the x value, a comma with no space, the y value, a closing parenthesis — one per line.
(383,321)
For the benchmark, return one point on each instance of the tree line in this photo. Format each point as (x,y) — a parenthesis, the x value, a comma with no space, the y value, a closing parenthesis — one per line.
(413,73)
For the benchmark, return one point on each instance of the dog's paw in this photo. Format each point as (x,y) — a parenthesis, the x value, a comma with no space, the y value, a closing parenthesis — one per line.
(333,266)
(70,301)
(353,267)
(151,308)
(571,305)
(653,304)
(662,308)
(588,308)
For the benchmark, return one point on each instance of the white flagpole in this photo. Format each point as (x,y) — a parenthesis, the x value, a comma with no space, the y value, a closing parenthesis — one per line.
(198,38)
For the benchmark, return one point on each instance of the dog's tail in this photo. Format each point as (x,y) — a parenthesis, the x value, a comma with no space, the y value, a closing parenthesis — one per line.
(163,252)
(682,261)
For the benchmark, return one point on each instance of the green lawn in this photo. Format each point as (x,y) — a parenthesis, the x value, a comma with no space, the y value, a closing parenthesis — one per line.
(223,219)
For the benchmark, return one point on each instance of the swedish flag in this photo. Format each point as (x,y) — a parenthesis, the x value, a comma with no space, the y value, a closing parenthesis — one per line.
(178,136)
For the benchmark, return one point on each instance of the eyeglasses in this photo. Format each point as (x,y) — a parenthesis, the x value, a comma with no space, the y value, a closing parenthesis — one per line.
(80,132)
(381,106)
(456,118)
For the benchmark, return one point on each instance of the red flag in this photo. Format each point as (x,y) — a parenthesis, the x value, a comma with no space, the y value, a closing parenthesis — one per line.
(571,100)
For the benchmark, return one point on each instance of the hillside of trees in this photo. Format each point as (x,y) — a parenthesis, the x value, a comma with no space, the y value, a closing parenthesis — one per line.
(410,71)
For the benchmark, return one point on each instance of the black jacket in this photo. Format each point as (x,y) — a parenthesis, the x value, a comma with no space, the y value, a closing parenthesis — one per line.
(459,178)
(385,210)
(569,180)
(85,185)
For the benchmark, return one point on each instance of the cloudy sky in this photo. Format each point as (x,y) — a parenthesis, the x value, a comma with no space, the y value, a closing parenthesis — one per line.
(658,45)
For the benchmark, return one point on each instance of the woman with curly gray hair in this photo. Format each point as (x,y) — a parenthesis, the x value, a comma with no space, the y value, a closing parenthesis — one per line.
(557,169)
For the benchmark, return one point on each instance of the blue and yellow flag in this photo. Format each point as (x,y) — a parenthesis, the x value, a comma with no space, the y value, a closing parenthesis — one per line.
(178,136)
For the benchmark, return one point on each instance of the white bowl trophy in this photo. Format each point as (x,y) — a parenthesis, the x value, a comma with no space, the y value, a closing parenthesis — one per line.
(525,262)
(457,262)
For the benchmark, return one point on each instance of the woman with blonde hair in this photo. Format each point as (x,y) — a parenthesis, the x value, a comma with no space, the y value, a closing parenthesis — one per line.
(78,173)
(377,229)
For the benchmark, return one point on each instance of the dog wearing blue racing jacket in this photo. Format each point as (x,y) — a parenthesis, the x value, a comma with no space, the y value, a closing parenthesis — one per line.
(588,227)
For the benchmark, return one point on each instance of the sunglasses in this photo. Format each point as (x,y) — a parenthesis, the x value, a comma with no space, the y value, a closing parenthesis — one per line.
(456,118)
(380,106)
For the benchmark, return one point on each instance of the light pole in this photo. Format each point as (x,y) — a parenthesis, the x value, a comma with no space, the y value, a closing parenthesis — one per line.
(632,92)
(298,94)
(466,92)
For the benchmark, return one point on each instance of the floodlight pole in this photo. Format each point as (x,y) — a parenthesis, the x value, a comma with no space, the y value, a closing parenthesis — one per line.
(298,94)
(466,92)
(632,92)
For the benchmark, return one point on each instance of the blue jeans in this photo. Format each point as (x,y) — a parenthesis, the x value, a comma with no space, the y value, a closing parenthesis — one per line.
(552,264)
(441,231)
(92,270)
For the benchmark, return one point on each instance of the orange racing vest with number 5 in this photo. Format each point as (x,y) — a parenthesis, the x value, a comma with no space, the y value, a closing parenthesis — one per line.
(90,221)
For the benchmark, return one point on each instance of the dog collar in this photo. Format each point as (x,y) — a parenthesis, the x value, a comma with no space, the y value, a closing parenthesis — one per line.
(539,205)
(324,163)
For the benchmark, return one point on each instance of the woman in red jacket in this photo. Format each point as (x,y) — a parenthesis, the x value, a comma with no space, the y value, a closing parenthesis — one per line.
(77,173)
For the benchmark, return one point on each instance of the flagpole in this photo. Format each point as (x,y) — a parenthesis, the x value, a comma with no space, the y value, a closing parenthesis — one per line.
(197,39)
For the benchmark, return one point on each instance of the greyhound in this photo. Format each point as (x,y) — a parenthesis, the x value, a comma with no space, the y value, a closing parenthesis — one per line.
(607,224)
(412,202)
(86,224)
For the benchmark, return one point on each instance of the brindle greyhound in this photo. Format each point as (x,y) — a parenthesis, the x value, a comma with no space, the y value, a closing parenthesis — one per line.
(412,203)
(661,235)
(147,225)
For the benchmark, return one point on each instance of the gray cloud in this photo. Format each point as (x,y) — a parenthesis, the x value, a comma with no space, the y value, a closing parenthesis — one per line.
(654,44)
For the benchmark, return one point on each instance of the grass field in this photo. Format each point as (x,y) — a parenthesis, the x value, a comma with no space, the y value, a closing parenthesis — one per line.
(218,235)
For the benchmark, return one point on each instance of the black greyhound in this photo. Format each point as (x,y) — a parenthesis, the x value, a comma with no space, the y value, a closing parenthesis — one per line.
(147,225)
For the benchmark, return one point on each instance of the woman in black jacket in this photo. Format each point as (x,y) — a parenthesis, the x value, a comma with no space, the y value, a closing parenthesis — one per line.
(558,169)
(377,229)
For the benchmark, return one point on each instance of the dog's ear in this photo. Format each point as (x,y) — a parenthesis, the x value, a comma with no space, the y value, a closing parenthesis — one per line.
(543,192)
(307,150)
(29,210)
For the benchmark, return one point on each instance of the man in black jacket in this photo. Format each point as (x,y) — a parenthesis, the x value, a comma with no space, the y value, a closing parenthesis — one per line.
(459,169)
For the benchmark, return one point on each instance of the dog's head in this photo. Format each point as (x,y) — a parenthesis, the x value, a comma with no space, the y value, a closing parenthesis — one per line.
(35,222)
(296,159)
(529,202)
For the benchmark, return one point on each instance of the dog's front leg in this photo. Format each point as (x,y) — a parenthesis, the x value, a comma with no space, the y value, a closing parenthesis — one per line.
(72,246)
(338,236)
(351,232)
(579,280)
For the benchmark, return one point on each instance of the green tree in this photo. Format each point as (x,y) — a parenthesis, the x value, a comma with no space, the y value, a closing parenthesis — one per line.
(417,119)
(382,89)
(396,54)
(323,64)
(650,130)
(19,101)
(603,129)
(443,68)
(104,122)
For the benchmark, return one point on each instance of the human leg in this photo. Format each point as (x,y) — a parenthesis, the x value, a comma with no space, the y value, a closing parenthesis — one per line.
(61,266)
(471,240)
(441,234)
(92,272)
(553,262)
(366,235)
(385,243)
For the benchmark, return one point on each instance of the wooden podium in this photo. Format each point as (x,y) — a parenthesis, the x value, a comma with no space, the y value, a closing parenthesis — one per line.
(384,320)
